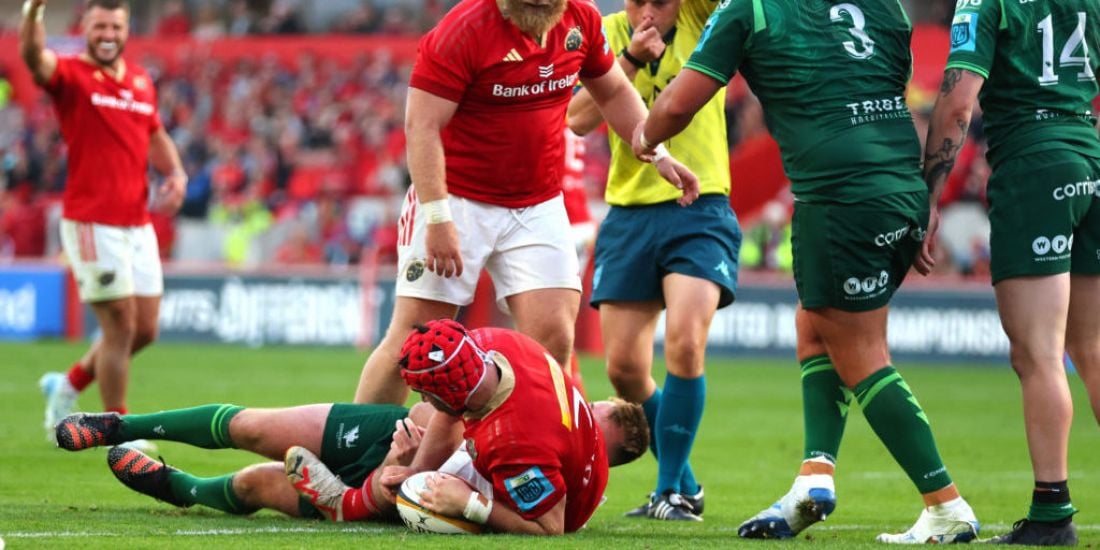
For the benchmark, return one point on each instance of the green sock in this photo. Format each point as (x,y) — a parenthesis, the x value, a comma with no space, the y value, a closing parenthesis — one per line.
(206,426)
(214,492)
(901,424)
(1050,502)
(825,402)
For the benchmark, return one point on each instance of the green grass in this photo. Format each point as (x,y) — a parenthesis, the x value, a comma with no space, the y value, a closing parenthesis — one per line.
(747,451)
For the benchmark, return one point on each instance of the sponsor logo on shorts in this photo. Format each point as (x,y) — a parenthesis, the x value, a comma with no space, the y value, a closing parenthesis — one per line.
(867,287)
(891,237)
(574,39)
(345,439)
(723,268)
(414,271)
(106,278)
(1049,249)
(1079,189)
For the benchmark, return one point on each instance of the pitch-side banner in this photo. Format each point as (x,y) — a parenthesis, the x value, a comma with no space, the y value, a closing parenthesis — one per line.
(268,310)
(924,324)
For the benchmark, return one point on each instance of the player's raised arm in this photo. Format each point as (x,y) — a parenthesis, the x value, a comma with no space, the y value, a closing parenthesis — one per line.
(947,130)
(425,116)
(32,42)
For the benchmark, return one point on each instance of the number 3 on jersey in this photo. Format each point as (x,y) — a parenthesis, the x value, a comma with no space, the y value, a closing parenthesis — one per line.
(1075,43)
(866,48)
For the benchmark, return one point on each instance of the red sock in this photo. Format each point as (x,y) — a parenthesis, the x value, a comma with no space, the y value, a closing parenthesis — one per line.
(119,410)
(80,378)
(359,503)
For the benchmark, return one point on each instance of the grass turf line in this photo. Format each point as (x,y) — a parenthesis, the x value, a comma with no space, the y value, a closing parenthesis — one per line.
(748,448)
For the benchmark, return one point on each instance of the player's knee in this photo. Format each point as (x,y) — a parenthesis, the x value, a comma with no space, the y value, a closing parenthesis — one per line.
(685,354)
(249,483)
(144,334)
(1035,360)
(245,431)
(629,379)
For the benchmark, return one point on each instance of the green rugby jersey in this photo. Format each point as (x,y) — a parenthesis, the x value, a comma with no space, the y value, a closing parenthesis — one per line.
(831,76)
(702,146)
(1039,58)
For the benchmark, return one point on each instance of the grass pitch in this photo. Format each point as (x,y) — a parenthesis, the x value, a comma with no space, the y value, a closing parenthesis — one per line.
(746,454)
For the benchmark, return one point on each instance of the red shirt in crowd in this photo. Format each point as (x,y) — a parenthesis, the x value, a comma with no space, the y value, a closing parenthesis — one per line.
(504,144)
(542,443)
(106,123)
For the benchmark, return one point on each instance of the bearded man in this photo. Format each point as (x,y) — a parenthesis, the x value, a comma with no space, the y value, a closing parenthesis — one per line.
(484,121)
(107,109)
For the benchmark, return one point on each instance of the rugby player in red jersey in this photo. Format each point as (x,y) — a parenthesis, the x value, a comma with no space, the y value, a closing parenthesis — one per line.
(532,454)
(107,110)
(484,123)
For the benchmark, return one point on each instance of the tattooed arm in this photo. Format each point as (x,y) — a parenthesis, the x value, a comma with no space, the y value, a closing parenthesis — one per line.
(946,135)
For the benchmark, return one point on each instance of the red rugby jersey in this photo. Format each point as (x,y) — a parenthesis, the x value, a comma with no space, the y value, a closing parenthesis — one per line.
(542,443)
(106,124)
(503,146)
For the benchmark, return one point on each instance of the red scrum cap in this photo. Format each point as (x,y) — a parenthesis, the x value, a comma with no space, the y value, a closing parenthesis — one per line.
(439,359)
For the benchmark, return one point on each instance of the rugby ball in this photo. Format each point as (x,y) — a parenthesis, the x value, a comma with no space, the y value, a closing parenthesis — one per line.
(422,520)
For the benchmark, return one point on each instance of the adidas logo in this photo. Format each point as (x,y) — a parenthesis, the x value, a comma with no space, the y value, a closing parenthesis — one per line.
(513,56)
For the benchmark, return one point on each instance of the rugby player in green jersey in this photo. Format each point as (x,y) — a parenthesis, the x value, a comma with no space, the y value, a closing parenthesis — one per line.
(653,255)
(831,77)
(1032,64)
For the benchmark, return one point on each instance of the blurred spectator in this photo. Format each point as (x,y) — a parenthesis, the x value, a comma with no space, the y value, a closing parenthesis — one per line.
(174,21)
(208,24)
(23,223)
(299,247)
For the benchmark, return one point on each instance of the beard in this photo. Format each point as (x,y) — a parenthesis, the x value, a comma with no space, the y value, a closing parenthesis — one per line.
(105,60)
(533,20)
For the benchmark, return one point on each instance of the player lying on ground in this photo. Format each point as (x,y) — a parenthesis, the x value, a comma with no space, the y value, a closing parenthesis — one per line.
(536,453)
(352,440)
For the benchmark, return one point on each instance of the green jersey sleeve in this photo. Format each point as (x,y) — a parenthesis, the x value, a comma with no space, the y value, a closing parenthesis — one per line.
(722,47)
(974,35)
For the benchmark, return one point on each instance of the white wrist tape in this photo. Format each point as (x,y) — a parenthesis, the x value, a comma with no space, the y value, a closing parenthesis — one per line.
(477,511)
(645,142)
(660,153)
(39,14)
(437,211)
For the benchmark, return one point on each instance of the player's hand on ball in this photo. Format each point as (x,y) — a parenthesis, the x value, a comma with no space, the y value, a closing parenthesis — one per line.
(392,478)
(443,255)
(406,440)
(679,175)
(170,193)
(445,494)
(926,261)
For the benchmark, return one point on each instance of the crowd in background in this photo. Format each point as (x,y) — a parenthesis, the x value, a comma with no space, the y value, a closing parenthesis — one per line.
(303,162)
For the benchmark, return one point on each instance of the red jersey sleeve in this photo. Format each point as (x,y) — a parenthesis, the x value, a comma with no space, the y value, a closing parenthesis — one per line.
(529,490)
(62,76)
(443,64)
(600,57)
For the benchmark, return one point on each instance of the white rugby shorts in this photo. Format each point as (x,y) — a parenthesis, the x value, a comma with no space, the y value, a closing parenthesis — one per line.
(523,249)
(111,262)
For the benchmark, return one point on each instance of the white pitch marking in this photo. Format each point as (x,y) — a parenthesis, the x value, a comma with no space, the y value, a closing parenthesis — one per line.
(190,532)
